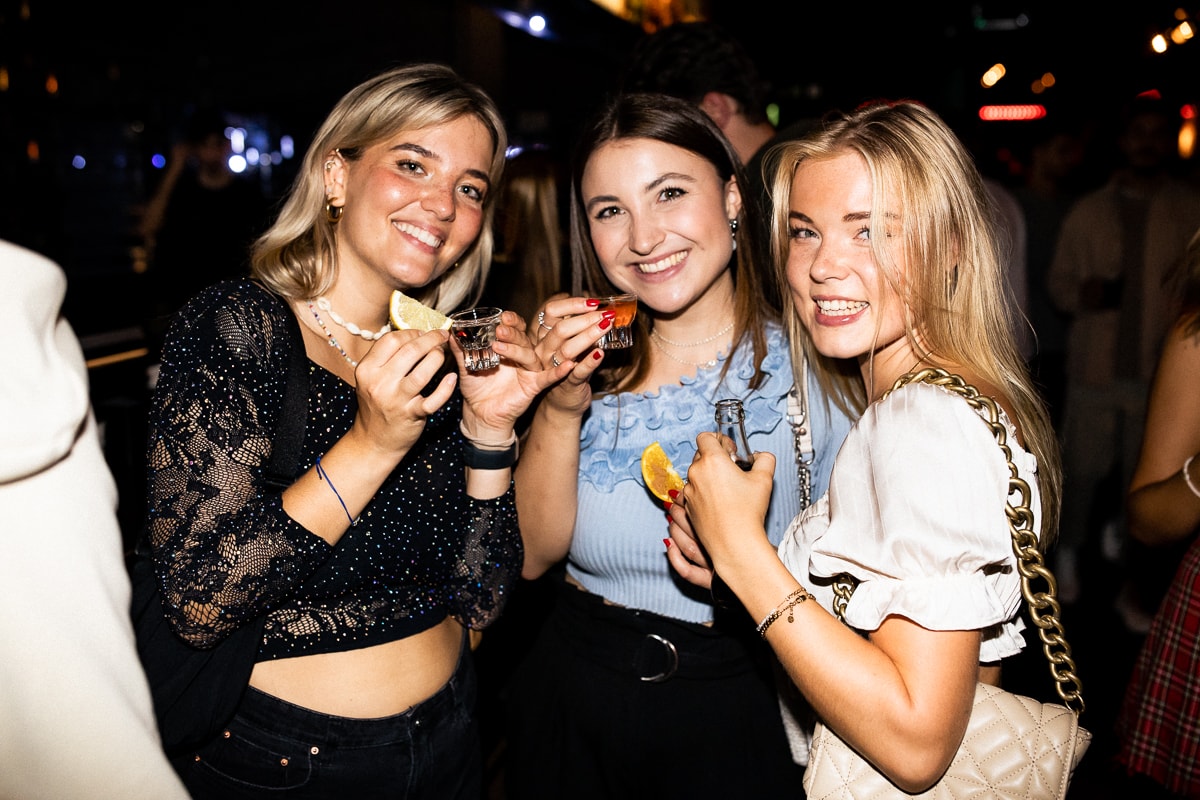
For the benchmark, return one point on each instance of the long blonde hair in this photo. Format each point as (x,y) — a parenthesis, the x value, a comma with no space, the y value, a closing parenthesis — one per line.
(296,255)
(960,306)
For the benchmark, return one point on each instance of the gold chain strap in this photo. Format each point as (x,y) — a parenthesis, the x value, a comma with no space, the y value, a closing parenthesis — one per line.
(1044,609)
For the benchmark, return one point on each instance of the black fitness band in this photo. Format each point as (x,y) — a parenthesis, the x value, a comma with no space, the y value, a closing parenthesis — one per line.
(478,458)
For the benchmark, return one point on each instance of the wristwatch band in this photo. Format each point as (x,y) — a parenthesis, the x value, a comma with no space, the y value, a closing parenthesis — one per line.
(479,458)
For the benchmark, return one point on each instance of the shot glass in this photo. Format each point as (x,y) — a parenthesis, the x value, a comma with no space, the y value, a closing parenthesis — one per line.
(475,330)
(620,335)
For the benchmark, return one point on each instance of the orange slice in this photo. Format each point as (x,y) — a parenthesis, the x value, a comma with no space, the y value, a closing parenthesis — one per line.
(407,313)
(659,473)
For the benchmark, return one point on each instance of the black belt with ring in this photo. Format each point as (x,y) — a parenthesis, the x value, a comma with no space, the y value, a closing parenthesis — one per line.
(648,647)
(656,653)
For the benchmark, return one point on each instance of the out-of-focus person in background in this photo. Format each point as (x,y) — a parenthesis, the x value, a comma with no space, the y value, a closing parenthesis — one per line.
(76,720)
(1159,724)
(529,255)
(1049,185)
(198,225)
(1116,246)
(703,63)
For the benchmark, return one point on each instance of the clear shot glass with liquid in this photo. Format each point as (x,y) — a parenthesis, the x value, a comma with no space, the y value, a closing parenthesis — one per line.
(475,330)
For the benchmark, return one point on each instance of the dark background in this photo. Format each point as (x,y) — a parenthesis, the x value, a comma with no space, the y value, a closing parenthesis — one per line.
(128,72)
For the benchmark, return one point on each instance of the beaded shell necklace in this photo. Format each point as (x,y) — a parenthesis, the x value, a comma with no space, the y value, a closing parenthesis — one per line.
(370,336)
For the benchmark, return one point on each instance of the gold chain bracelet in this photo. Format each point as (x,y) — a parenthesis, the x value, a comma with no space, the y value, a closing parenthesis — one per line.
(791,601)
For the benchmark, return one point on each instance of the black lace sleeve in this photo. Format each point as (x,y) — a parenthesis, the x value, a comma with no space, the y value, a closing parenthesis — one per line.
(491,561)
(223,546)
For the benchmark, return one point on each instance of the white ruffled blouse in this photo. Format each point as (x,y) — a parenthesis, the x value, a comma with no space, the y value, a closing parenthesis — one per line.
(916,512)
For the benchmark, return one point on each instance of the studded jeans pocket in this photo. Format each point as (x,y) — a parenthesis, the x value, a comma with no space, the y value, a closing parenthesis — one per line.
(246,757)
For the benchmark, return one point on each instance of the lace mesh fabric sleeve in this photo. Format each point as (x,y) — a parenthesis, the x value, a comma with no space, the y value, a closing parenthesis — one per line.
(223,546)
(490,564)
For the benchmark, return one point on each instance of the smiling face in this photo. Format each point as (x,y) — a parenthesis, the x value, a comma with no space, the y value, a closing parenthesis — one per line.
(839,291)
(412,205)
(659,221)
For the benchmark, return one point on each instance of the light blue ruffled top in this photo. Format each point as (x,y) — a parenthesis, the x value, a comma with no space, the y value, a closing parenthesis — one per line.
(617,550)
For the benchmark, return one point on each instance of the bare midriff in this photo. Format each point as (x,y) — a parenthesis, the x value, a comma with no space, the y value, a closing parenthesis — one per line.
(376,681)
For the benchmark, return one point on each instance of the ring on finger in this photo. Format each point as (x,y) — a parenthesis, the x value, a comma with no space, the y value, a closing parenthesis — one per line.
(542,321)
(554,359)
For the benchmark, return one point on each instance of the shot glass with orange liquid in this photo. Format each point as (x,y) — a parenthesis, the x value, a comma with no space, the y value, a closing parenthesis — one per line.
(620,335)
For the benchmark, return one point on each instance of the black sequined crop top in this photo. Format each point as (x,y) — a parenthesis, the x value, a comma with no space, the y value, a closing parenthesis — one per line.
(422,549)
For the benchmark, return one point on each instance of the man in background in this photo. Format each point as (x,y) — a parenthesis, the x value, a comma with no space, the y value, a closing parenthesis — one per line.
(1115,248)
(200,222)
(704,64)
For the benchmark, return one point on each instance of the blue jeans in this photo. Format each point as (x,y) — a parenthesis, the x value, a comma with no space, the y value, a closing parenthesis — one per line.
(275,749)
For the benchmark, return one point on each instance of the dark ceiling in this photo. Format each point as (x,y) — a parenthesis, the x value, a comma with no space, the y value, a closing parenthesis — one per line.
(283,56)
(127,71)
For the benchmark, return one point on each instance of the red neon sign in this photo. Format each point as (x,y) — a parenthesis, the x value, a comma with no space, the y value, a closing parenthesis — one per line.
(1012,113)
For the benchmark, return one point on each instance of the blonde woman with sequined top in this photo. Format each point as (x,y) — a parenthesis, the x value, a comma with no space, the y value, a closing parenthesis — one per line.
(400,532)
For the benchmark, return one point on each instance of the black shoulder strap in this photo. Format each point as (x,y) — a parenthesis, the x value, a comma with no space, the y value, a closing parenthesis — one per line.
(285,449)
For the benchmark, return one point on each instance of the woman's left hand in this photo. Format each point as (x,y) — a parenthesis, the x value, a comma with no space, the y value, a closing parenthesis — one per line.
(684,552)
(493,400)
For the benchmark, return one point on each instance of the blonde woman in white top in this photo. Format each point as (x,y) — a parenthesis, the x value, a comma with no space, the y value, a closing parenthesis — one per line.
(888,244)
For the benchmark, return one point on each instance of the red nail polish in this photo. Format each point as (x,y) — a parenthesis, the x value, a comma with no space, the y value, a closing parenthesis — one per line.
(667,542)
(608,314)
(593,302)
(596,354)
(672,493)
(605,323)
(667,505)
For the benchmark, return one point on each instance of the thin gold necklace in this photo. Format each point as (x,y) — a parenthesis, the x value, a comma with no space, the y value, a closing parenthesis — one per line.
(712,362)
(654,334)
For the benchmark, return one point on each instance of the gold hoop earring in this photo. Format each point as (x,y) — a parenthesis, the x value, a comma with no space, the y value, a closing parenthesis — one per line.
(333,213)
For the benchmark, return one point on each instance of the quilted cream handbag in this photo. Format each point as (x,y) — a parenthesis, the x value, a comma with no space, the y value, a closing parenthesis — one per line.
(1014,747)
